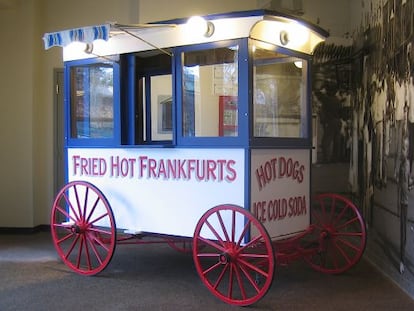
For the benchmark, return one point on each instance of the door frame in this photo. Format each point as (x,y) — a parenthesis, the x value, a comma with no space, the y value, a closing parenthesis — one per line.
(58,129)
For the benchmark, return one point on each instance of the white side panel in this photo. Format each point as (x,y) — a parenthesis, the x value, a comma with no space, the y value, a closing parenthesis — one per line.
(161,190)
(280,190)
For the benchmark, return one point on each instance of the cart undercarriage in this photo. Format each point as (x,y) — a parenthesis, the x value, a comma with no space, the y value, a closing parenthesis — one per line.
(237,265)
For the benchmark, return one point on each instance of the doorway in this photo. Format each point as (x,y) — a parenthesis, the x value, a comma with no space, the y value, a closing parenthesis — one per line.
(58,139)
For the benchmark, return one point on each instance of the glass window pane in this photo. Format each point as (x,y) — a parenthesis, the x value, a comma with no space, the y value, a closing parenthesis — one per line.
(92,102)
(153,110)
(279,95)
(210,83)
(161,107)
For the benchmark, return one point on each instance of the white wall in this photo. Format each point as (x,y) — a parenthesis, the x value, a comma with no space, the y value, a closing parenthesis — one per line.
(56,15)
(333,16)
(16,100)
(150,11)
(26,82)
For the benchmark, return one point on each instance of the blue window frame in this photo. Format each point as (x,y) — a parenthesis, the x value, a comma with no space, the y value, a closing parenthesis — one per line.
(212,92)
(148,111)
(93,103)
(281,97)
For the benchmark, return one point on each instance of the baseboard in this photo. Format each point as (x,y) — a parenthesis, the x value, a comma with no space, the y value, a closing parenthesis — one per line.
(20,230)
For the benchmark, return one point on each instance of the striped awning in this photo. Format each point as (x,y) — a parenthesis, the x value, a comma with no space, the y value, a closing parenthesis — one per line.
(84,34)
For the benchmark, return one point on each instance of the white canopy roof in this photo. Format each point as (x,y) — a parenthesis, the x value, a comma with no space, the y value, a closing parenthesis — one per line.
(113,39)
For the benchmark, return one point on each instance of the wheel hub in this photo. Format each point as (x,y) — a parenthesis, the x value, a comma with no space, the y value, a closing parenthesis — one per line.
(224,258)
(325,234)
(324,237)
(229,255)
(78,228)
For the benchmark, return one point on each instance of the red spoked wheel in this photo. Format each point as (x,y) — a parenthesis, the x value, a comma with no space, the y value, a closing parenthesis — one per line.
(339,233)
(83,228)
(233,255)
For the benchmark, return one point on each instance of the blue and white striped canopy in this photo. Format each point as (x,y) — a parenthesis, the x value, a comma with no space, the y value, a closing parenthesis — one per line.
(84,34)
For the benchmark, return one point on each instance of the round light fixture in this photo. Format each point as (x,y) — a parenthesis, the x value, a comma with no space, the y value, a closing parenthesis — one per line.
(88,48)
(199,25)
(284,37)
(298,64)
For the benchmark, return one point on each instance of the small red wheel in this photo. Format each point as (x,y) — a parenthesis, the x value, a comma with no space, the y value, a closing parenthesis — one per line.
(339,233)
(83,228)
(233,255)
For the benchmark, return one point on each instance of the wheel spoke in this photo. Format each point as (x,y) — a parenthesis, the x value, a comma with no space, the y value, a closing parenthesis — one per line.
(211,268)
(71,206)
(356,234)
(215,233)
(99,241)
(233,226)
(340,215)
(65,213)
(92,240)
(254,256)
(99,230)
(88,257)
(80,252)
(223,227)
(230,282)
(240,282)
(333,205)
(77,202)
(72,246)
(93,209)
(342,252)
(66,237)
(348,244)
(212,244)
(351,221)
(249,278)
(253,267)
(243,234)
(317,217)
(252,242)
(85,203)
(319,226)
(97,219)
(207,255)
(331,254)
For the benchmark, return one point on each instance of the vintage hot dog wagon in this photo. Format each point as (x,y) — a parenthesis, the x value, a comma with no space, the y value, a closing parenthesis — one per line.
(197,132)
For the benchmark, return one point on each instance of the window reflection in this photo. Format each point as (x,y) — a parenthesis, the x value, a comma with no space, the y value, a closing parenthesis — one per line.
(92,104)
(161,107)
(210,88)
(279,95)
(154,106)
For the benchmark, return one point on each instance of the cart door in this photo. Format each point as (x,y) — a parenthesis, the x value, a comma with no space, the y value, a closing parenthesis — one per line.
(154,105)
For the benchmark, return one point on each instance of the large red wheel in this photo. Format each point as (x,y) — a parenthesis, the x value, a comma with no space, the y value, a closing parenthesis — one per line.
(233,255)
(83,228)
(339,234)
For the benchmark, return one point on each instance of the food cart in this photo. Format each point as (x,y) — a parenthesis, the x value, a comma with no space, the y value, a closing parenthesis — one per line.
(197,133)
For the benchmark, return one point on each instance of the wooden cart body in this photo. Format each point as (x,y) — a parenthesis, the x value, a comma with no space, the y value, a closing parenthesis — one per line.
(167,191)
